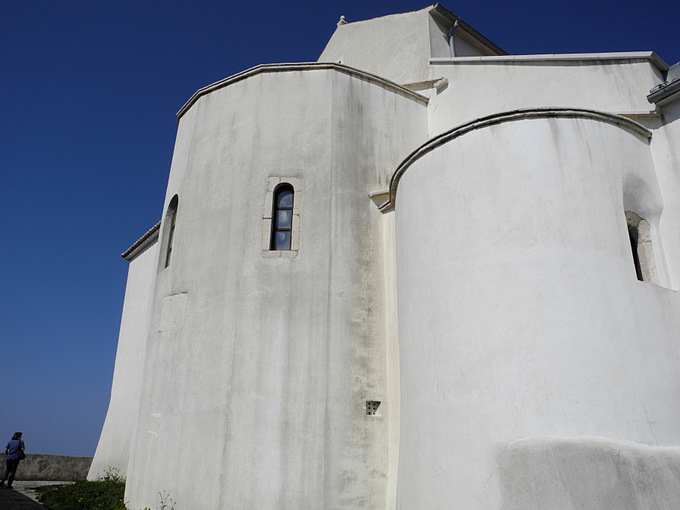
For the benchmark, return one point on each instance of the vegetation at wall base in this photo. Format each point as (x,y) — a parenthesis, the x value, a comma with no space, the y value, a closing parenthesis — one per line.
(104,494)
(84,495)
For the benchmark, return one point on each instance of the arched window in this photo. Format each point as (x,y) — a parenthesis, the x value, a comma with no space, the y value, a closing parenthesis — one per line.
(282,218)
(170,221)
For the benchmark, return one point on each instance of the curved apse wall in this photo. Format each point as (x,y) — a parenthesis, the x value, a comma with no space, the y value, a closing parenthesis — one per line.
(269,356)
(520,314)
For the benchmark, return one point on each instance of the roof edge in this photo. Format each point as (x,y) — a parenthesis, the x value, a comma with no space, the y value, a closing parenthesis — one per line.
(649,56)
(500,118)
(463,25)
(142,243)
(301,66)
(663,94)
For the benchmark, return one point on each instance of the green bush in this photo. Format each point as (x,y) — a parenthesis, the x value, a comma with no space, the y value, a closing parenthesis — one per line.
(106,494)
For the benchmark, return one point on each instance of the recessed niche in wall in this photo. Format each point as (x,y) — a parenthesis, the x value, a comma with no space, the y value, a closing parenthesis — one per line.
(372,407)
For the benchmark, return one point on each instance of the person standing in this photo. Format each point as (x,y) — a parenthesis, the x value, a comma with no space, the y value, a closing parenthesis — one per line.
(15,452)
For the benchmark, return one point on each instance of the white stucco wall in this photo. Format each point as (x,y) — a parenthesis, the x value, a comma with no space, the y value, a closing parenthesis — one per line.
(267,363)
(492,307)
(396,47)
(399,46)
(486,85)
(666,157)
(114,443)
(520,315)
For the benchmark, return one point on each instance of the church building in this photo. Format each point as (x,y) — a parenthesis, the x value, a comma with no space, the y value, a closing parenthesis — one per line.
(419,273)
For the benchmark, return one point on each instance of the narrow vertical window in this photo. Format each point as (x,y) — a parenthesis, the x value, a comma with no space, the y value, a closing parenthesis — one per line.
(282,218)
(633,236)
(170,221)
(640,235)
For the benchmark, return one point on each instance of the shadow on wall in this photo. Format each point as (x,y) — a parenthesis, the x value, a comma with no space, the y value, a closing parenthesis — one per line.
(589,473)
(38,467)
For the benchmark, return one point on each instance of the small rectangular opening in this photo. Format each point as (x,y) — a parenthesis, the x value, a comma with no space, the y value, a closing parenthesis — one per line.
(372,407)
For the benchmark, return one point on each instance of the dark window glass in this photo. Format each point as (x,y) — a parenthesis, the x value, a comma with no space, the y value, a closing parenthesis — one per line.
(285,199)
(633,236)
(282,241)
(282,218)
(171,218)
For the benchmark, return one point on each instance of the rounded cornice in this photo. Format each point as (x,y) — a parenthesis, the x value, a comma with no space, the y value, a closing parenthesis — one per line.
(299,67)
(500,118)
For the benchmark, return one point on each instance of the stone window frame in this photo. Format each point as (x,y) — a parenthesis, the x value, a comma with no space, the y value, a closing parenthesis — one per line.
(274,182)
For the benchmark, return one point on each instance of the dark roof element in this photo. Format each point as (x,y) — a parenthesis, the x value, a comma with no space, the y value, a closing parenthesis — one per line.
(461,24)
(142,243)
(661,94)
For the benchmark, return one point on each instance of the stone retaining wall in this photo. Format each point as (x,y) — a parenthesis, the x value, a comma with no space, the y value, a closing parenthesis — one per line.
(37,466)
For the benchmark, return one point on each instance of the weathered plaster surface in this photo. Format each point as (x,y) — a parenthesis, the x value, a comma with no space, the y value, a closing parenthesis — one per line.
(113,450)
(396,42)
(460,254)
(565,473)
(519,311)
(477,89)
(274,358)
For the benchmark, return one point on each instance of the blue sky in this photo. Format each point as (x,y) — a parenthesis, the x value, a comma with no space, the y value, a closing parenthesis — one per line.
(89,92)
